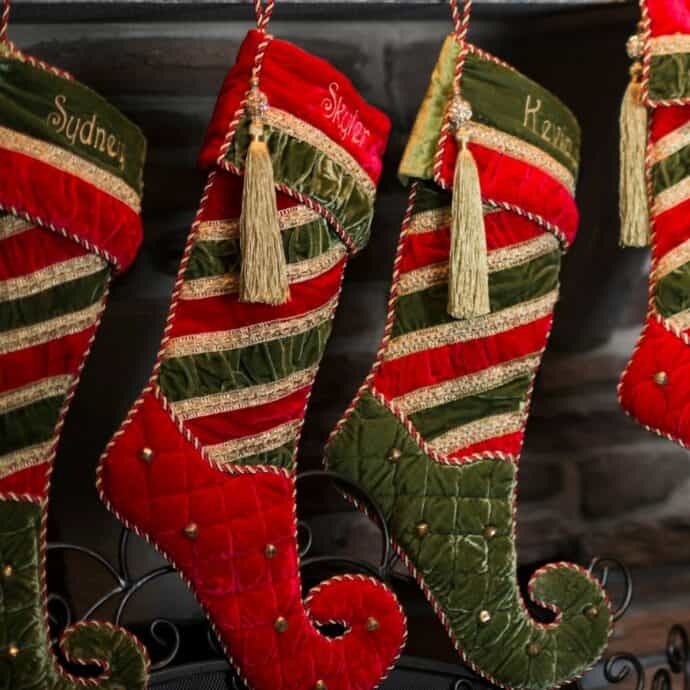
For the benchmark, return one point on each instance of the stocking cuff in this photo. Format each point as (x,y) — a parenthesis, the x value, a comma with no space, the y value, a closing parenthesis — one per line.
(73,162)
(525,141)
(326,142)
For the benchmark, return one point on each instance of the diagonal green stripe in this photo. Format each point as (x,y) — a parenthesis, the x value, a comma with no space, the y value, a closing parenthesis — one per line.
(436,421)
(507,288)
(669,76)
(672,292)
(182,378)
(57,301)
(671,170)
(211,258)
(29,425)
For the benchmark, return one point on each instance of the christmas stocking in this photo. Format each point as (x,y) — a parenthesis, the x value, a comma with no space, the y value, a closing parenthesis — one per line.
(436,430)
(70,193)
(204,466)
(655,160)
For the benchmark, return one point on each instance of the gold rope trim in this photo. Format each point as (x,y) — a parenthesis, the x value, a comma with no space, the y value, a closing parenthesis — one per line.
(238,338)
(11,225)
(498,259)
(229,283)
(465,386)
(671,197)
(674,259)
(24,458)
(33,392)
(50,277)
(512,146)
(72,164)
(30,336)
(478,431)
(288,123)
(679,321)
(231,451)
(472,329)
(671,143)
(670,44)
(229,228)
(229,401)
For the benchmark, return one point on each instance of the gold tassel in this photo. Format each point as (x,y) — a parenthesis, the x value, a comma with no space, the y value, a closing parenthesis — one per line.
(634,207)
(263,276)
(468,276)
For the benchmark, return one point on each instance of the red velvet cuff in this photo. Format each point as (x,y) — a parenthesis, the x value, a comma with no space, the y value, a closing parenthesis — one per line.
(668,17)
(308,88)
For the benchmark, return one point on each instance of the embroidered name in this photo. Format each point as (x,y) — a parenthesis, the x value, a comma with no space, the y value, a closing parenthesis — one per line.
(86,131)
(348,121)
(548,130)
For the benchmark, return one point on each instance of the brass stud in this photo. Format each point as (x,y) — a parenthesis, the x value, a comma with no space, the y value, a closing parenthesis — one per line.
(533,649)
(661,378)
(146,454)
(395,455)
(270,550)
(7,570)
(13,650)
(372,624)
(592,612)
(422,530)
(281,625)
(320,685)
(191,531)
(489,532)
(484,616)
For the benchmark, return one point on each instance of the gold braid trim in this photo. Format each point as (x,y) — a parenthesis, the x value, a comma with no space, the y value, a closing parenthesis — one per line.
(237,338)
(11,225)
(679,321)
(461,331)
(33,392)
(498,259)
(298,272)
(671,143)
(231,451)
(436,218)
(478,431)
(229,401)
(465,386)
(24,458)
(669,44)
(674,259)
(229,228)
(71,164)
(50,277)
(68,324)
(671,197)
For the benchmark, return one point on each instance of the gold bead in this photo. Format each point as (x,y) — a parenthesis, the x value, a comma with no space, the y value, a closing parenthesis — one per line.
(320,685)
(395,455)
(13,650)
(661,378)
(191,531)
(592,612)
(372,624)
(484,616)
(281,625)
(422,530)
(270,550)
(489,532)
(146,454)
(533,649)
(7,570)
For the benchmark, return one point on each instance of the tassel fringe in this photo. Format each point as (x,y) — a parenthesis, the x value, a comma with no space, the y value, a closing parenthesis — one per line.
(468,280)
(634,206)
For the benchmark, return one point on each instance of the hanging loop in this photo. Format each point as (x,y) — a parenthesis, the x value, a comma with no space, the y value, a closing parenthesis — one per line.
(460,11)
(4,21)
(263,13)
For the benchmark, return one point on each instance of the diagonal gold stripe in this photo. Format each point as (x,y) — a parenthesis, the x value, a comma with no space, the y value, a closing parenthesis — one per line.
(231,451)
(229,228)
(679,321)
(499,259)
(298,272)
(669,44)
(674,259)
(515,147)
(24,458)
(11,225)
(237,338)
(33,392)
(30,336)
(471,329)
(673,142)
(293,126)
(70,163)
(671,197)
(436,218)
(478,431)
(50,276)
(465,386)
(240,399)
